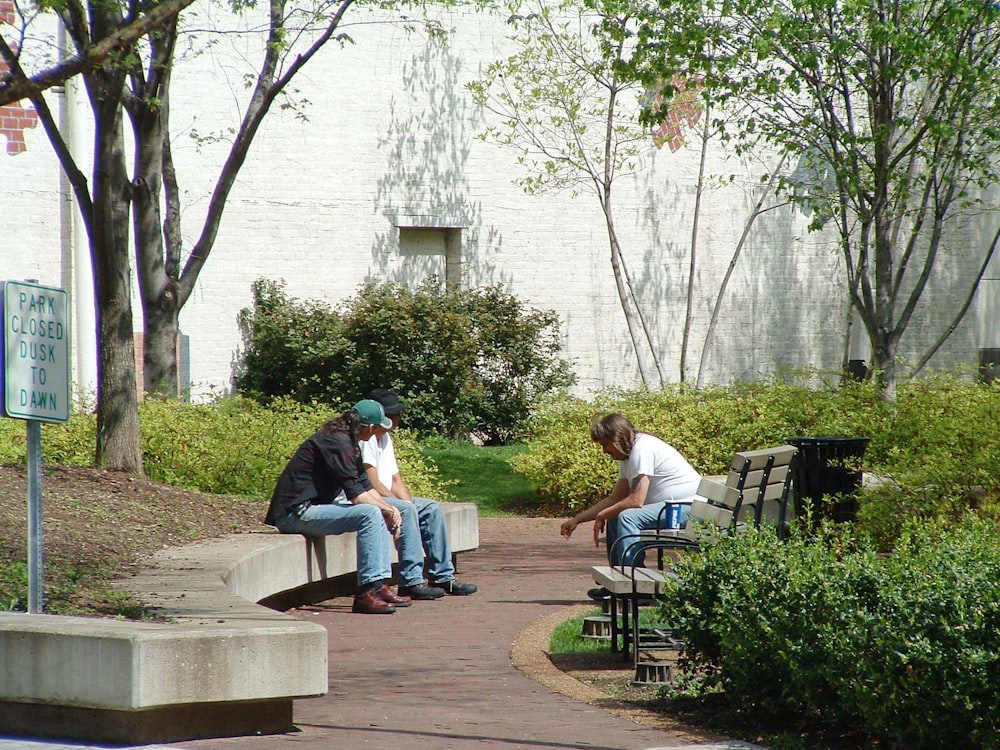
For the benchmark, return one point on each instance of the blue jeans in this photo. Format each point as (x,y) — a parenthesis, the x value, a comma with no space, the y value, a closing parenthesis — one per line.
(408,546)
(629,523)
(434,535)
(373,550)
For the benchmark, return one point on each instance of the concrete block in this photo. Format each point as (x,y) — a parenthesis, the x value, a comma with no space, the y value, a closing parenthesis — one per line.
(221,665)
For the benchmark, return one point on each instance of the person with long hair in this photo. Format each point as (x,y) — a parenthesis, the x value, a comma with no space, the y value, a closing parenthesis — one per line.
(305,502)
(651,473)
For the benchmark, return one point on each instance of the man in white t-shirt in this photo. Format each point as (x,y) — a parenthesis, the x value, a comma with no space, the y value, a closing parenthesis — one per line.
(651,476)
(379,458)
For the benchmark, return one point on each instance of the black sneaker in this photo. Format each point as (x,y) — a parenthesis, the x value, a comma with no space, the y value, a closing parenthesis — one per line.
(456,588)
(599,594)
(421,591)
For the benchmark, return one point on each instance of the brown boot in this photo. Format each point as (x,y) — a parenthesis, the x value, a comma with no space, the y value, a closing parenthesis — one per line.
(386,595)
(370,603)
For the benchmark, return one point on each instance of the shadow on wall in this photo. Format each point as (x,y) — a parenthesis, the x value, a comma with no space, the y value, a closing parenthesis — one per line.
(958,260)
(773,302)
(425,193)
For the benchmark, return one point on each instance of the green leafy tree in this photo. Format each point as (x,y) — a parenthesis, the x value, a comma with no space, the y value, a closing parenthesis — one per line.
(308,337)
(889,110)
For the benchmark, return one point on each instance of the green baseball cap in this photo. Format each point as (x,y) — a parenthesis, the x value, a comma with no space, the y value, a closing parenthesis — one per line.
(371,412)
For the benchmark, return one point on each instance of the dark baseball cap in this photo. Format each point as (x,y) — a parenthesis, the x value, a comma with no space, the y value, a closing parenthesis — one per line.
(389,400)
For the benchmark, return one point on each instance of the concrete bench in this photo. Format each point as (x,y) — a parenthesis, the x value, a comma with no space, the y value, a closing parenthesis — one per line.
(220,665)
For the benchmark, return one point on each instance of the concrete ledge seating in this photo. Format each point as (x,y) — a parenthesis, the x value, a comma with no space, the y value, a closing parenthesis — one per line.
(221,665)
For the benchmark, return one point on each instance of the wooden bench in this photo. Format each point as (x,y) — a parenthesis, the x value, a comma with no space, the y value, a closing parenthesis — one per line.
(756,490)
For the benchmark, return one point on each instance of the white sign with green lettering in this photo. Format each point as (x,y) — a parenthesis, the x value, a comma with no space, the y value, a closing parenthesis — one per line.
(36,352)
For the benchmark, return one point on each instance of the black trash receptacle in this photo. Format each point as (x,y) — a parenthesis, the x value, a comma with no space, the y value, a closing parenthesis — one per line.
(821,470)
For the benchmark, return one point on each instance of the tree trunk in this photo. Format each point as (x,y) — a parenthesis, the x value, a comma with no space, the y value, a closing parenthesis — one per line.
(118,444)
(158,271)
(633,331)
(693,261)
(159,359)
(617,266)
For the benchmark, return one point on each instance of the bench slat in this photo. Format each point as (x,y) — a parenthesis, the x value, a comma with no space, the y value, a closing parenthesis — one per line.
(718,494)
(716,514)
(777,476)
(771,492)
(758,458)
(648,582)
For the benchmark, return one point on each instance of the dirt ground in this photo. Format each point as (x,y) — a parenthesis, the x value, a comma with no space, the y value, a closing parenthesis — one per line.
(104,524)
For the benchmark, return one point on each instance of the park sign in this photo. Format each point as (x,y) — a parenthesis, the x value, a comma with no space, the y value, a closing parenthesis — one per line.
(35,340)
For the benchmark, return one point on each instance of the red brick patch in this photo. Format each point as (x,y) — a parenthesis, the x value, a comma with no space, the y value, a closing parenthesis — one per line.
(14,118)
(685,111)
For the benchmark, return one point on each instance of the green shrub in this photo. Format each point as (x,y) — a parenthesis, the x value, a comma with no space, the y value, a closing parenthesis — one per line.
(72,442)
(230,447)
(940,455)
(233,446)
(290,348)
(905,646)
(466,362)
(934,451)
(238,447)
(421,345)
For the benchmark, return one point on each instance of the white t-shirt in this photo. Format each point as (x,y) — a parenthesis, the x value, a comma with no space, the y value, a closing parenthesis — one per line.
(378,452)
(671,477)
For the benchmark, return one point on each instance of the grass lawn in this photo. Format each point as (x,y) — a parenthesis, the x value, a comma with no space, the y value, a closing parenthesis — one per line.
(567,638)
(483,476)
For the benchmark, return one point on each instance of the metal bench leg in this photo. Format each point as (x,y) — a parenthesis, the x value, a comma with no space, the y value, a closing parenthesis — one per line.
(635,630)
(614,623)
(627,605)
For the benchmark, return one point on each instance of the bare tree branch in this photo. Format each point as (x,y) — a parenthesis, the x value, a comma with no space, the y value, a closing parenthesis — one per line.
(17,86)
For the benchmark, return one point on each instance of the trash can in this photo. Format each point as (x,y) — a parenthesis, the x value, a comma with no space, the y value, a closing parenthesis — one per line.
(828,466)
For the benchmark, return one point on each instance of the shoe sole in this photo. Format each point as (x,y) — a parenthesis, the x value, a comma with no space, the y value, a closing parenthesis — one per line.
(449,592)
(424,597)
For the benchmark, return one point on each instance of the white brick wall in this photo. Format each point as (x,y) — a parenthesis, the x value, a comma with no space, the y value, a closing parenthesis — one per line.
(391,131)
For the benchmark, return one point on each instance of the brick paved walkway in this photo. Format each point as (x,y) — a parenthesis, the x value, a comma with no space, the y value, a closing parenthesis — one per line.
(438,675)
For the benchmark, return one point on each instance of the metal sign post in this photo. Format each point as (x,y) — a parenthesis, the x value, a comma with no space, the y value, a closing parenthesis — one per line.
(34,385)
(35,564)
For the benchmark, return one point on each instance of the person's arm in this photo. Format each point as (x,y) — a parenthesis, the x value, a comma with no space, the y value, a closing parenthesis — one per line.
(592,513)
(376,482)
(633,496)
(398,490)
(393,520)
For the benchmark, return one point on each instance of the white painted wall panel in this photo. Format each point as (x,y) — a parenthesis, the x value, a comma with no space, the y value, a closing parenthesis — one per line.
(390,140)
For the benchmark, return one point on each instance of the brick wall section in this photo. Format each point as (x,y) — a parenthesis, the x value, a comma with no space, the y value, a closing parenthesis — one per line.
(14,118)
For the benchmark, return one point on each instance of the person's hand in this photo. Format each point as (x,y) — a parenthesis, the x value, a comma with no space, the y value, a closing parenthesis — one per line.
(599,524)
(567,528)
(393,520)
